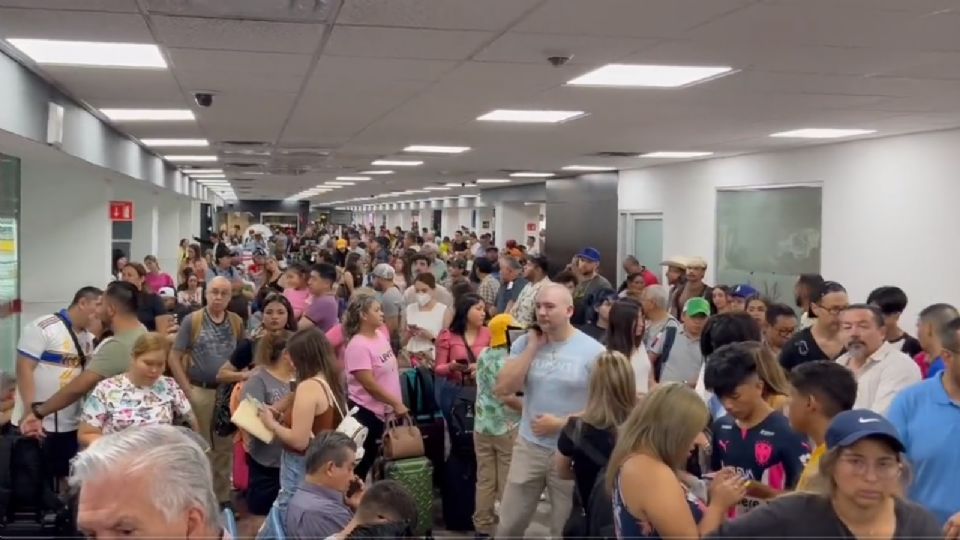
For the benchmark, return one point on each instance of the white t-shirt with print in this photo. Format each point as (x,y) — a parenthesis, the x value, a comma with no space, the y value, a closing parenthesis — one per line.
(47,341)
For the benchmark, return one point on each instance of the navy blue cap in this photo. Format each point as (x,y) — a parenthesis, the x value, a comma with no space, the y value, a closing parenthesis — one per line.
(849,427)
(589,254)
(744,291)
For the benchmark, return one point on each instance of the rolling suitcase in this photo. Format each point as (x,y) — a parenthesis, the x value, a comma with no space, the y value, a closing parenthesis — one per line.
(416,474)
(459,492)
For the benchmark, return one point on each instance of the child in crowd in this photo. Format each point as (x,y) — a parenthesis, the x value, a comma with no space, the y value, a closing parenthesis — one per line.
(753,438)
(819,391)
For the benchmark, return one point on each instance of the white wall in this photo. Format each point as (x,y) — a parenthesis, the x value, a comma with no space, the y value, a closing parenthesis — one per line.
(888,209)
(64,234)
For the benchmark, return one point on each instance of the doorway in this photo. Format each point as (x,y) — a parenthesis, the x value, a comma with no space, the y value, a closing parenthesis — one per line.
(641,235)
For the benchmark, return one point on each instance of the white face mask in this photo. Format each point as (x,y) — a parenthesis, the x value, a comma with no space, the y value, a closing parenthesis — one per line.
(423,299)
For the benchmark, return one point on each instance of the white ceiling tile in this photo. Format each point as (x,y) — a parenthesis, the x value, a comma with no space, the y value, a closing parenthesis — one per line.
(448,14)
(76,25)
(365,41)
(222,82)
(916,6)
(120,6)
(104,87)
(246,116)
(536,48)
(631,18)
(235,61)
(795,24)
(338,73)
(229,34)
(261,10)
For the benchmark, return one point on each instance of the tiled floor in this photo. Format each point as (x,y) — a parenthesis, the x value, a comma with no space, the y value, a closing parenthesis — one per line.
(539,527)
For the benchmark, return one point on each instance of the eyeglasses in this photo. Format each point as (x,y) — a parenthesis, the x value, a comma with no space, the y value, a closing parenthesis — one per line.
(885,469)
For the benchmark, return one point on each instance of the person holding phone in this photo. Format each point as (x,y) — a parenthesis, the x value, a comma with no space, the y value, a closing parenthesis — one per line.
(458,349)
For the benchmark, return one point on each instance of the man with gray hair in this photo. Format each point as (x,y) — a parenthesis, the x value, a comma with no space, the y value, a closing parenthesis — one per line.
(930,325)
(655,301)
(512,283)
(146,482)
(330,492)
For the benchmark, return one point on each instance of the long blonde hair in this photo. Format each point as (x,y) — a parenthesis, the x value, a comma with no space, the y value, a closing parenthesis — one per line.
(664,425)
(775,381)
(612,392)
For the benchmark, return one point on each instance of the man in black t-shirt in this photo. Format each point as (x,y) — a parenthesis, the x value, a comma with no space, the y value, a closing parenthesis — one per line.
(822,340)
(892,301)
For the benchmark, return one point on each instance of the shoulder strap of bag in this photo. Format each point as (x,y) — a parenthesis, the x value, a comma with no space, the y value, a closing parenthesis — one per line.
(669,336)
(236,325)
(472,357)
(73,336)
(329,393)
(196,326)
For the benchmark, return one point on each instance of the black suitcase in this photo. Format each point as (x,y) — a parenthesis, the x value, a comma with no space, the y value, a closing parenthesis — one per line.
(434,446)
(459,492)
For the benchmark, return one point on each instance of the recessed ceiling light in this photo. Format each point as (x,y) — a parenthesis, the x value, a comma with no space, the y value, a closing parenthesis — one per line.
(211,175)
(201,171)
(437,188)
(91,53)
(531,116)
(822,133)
(493,180)
(675,155)
(175,142)
(137,115)
(396,163)
(433,149)
(332,183)
(411,191)
(531,175)
(588,168)
(376,172)
(213,182)
(454,184)
(354,178)
(647,75)
(190,158)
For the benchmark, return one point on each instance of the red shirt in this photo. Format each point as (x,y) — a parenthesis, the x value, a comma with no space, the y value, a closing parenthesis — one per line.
(451,348)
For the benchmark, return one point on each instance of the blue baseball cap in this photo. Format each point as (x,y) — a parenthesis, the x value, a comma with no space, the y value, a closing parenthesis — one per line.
(744,291)
(589,254)
(850,427)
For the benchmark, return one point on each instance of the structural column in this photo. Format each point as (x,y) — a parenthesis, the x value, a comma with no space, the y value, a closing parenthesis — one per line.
(510,222)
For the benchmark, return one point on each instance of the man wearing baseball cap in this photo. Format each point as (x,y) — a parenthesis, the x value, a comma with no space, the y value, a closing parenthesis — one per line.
(588,265)
(391,299)
(677,356)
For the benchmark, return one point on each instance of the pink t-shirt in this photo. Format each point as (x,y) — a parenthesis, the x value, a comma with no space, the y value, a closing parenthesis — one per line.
(158,281)
(299,298)
(373,354)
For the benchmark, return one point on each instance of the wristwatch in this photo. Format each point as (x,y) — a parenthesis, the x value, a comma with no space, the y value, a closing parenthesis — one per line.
(35,409)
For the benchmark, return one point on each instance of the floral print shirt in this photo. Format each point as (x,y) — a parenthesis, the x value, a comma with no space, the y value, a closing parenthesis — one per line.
(116,404)
(492,417)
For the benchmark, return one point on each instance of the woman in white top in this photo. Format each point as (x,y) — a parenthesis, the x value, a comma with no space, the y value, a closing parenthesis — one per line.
(625,335)
(424,321)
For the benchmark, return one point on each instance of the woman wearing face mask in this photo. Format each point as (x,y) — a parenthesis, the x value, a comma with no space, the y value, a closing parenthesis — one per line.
(423,321)
(861,477)
(142,396)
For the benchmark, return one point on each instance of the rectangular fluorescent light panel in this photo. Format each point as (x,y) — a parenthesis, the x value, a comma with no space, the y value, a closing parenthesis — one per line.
(531,175)
(175,142)
(493,180)
(649,76)
(376,172)
(354,178)
(437,188)
(454,184)
(396,163)
(190,158)
(675,155)
(332,183)
(432,149)
(530,116)
(588,168)
(192,172)
(143,115)
(822,133)
(91,53)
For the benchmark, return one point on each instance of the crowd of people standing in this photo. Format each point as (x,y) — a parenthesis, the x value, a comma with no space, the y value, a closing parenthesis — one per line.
(644,410)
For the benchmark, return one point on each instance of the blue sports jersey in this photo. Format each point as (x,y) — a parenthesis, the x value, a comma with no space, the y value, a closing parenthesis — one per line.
(769,453)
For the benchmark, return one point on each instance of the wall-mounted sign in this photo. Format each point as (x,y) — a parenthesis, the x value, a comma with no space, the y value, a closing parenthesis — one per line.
(531,227)
(121,210)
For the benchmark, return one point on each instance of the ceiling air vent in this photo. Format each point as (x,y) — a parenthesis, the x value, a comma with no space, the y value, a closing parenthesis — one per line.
(301,11)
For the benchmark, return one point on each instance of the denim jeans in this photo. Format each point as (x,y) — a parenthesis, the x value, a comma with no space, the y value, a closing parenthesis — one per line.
(292,471)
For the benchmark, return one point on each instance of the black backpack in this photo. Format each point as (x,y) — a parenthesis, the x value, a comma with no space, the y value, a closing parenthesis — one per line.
(27,492)
(461,420)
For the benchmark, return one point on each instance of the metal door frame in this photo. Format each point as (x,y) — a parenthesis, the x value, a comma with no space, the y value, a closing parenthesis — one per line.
(625,237)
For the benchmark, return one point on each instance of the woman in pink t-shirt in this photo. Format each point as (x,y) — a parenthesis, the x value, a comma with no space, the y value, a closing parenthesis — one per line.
(155,279)
(373,376)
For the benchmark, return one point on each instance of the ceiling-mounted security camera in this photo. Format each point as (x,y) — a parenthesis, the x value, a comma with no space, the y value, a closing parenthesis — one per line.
(558,60)
(203,99)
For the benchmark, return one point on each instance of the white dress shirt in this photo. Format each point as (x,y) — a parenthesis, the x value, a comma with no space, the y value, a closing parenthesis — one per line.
(885,373)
